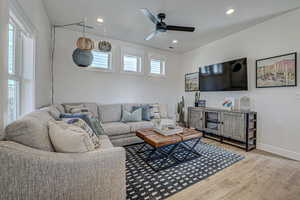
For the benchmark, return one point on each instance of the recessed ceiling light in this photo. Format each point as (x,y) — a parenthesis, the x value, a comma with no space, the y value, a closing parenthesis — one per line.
(230,11)
(175,41)
(100,20)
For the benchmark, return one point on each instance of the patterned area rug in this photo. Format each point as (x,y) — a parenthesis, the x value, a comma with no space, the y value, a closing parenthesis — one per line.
(144,183)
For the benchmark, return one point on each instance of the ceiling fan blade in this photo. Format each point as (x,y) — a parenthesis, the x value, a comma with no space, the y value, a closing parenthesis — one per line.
(181,28)
(148,14)
(153,34)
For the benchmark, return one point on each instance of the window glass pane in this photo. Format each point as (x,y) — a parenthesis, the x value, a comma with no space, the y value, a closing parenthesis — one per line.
(11,49)
(12,100)
(101,60)
(131,63)
(155,67)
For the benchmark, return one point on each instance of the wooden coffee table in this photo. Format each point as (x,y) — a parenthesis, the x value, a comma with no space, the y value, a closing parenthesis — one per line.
(174,149)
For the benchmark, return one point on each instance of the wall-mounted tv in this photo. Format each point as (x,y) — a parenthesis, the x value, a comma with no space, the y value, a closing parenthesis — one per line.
(227,76)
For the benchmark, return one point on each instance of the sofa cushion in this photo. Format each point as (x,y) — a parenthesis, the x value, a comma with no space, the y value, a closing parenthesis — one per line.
(69,138)
(134,126)
(31,130)
(115,128)
(130,106)
(92,107)
(105,142)
(163,109)
(54,112)
(155,111)
(110,112)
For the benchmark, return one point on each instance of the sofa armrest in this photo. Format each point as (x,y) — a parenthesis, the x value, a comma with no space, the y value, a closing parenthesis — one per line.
(27,173)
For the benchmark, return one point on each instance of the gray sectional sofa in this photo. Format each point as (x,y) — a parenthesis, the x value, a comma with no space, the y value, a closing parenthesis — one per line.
(30,169)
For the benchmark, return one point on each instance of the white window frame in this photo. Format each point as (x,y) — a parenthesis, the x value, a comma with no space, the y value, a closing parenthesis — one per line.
(23,27)
(163,65)
(134,52)
(110,67)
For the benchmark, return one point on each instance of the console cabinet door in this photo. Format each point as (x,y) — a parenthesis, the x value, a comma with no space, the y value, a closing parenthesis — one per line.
(233,126)
(196,119)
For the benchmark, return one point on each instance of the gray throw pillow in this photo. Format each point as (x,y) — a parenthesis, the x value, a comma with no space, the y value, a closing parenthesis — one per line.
(146,112)
(135,116)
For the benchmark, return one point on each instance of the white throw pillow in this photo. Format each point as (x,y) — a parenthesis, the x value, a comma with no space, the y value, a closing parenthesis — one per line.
(68,138)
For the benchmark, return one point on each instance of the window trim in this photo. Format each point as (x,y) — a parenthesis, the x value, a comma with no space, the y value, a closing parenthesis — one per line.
(162,60)
(129,51)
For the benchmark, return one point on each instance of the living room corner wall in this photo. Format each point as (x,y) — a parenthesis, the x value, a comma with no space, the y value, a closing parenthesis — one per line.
(36,12)
(278,108)
(75,84)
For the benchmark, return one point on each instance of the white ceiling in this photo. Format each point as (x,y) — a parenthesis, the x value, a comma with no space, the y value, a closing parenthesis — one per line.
(124,21)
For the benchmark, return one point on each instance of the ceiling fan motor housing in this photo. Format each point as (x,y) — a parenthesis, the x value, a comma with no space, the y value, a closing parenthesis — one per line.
(161,27)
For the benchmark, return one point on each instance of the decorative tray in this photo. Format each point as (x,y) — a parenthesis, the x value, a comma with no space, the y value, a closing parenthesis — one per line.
(169,131)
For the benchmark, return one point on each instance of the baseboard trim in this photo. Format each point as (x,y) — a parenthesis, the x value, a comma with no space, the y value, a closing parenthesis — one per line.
(279,151)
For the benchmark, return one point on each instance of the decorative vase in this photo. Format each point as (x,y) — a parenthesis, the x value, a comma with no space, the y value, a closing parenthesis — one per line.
(82,58)
(84,43)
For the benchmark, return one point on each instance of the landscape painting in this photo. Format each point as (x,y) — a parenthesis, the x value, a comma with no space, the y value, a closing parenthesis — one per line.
(192,82)
(278,71)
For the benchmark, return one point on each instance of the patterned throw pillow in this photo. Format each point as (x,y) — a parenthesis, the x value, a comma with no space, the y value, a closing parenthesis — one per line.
(135,116)
(78,109)
(83,125)
(146,111)
(94,123)
(97,126)
(155,111)
(67,138)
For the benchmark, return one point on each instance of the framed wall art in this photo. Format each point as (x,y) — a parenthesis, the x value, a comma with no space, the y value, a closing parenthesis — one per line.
(277,71)
(192,82)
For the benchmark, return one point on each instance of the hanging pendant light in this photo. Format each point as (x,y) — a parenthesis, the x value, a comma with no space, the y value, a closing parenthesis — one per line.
(85,43)
(103,45)
(82,56)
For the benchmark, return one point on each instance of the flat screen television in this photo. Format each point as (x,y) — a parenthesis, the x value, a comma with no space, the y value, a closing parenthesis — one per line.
(227,76)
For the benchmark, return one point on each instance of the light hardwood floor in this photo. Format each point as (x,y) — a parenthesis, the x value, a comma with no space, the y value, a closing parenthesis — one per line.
(260,176)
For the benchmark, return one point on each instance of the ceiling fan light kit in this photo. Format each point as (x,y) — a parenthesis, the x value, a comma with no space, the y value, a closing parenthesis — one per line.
(161,26)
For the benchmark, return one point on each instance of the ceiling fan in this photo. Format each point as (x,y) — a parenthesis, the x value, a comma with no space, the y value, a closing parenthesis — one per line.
(162,26)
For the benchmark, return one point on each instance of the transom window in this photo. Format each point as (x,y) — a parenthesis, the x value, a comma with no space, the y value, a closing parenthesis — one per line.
(132,63)
(157,67)
(102,60)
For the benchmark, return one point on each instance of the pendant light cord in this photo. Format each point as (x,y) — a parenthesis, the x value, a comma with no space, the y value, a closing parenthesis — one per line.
(53,36)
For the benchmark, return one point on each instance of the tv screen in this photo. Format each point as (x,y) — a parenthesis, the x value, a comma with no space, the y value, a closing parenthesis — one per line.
(227,76)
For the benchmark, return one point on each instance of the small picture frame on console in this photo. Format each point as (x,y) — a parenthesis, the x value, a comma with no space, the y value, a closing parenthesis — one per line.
(277,71)
(192,82)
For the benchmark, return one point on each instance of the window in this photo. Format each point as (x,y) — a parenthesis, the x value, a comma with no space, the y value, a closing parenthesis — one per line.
(102,60)
(20,91)
(132,63)
(157,67)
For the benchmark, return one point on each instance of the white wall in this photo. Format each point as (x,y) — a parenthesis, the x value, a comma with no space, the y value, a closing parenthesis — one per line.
(73,84)
(35,11)
(278,108)
(3,57)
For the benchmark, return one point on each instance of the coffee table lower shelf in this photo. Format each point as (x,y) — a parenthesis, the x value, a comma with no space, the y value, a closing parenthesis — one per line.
(164,157)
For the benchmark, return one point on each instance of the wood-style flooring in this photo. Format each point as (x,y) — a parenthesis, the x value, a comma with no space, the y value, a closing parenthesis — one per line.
(260,176)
